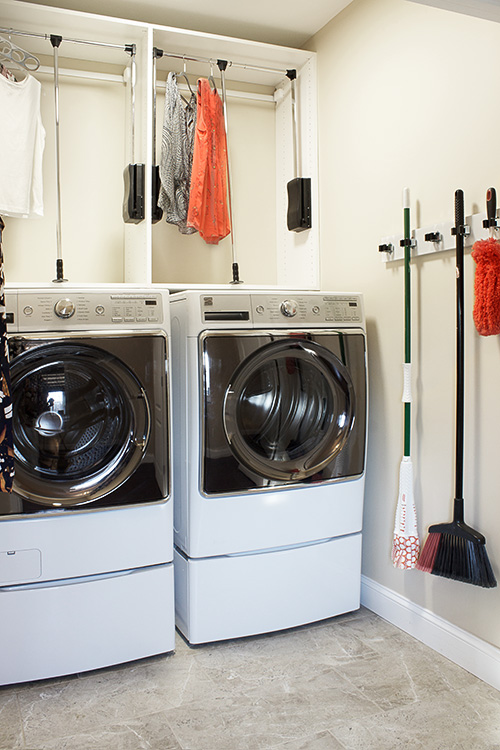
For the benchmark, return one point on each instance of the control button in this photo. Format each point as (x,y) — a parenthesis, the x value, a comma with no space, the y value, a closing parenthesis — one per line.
(316,310)
(288,308)
(28,310)
(129,319)
(64,308)
(116,320)
(100,310)
(260,309)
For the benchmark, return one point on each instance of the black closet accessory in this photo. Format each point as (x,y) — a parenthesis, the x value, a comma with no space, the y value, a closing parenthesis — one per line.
(299,189)
(55,41)
(387,248)
(133,174)
(433,237)
(156,211)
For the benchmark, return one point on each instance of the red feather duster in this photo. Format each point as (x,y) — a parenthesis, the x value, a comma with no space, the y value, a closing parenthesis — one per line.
(486,312)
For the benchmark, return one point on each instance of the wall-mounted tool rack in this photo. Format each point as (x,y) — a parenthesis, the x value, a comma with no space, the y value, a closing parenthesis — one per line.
(433,239)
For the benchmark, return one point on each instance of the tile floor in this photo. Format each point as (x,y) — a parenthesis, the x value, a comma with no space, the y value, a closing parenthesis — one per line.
(351,682)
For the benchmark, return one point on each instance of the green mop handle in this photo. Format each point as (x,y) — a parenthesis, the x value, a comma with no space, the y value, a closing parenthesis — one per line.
(407,247)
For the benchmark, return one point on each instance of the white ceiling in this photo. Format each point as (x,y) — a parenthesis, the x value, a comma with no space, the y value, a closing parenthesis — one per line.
(287,22)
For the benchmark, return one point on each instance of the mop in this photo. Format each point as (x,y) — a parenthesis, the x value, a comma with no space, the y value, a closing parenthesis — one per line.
(455,550)
(406,544)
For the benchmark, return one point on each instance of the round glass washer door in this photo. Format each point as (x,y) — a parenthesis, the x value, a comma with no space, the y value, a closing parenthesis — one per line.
(289,409)
(81,423)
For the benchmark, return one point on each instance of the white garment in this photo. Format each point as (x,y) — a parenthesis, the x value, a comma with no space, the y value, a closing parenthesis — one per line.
(22,140)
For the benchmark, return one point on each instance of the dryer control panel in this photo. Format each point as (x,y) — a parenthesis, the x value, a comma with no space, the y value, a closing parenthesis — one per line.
(288,309)
(69,309)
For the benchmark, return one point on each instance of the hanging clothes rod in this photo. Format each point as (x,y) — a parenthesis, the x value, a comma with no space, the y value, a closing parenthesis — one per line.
(130,48)
(212,61)
(161,85)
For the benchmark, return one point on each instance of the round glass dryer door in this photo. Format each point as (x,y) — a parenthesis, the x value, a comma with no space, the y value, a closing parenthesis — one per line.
(82,423)
(289,409)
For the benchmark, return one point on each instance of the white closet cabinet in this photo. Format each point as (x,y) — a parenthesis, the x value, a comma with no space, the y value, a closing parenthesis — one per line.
(95,146)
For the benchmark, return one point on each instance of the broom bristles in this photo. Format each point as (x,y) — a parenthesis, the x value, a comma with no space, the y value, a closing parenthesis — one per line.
(452,556)
(428,555)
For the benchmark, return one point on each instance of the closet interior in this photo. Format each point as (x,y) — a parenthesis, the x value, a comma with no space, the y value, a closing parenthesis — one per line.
(105,124)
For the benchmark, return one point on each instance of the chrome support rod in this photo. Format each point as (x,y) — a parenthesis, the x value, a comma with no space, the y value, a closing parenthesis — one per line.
(19,32)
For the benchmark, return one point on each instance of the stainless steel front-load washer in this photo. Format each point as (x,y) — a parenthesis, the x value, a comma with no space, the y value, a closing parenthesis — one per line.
(270,405)
(86,536)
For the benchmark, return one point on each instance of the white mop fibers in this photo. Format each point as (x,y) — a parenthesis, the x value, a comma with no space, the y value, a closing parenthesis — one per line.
(406,544)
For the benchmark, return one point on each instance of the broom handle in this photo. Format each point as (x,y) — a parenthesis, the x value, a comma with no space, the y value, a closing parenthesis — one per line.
(458,514)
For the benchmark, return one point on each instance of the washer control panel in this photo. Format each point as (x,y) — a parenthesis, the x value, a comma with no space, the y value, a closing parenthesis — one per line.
(295,309)
(82,309)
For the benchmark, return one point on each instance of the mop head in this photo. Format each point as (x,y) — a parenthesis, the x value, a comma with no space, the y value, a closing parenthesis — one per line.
(454,550)
(486,312)
(406,544)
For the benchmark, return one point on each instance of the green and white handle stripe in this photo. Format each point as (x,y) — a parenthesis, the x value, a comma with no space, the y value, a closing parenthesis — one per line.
(406,544)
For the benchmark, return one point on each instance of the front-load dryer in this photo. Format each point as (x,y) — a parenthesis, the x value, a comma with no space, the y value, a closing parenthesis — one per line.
(270,404)
(86,537)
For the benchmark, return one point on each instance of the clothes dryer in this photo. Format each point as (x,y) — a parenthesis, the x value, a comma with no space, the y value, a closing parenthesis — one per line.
(270,403)
(86,539)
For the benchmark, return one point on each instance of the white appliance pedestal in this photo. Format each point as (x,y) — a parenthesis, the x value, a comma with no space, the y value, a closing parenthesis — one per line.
(63,627)
(233,596)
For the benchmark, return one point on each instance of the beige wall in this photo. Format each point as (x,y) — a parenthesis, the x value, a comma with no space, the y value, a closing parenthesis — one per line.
(407,98)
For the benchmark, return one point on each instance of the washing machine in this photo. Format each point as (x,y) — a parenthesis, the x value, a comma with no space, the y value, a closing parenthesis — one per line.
(269,413)
(86,537)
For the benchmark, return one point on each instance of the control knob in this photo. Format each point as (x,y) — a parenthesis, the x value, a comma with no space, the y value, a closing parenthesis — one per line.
(288,308)
(64,308)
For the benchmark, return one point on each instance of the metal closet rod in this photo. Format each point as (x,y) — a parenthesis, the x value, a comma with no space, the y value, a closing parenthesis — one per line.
(130,48)
(211,61)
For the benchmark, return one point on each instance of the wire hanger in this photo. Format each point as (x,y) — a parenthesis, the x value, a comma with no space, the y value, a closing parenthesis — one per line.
(211,78)
(183,74)
(11,54)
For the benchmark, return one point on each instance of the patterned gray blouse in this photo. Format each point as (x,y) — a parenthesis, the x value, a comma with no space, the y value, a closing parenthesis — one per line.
(176,157)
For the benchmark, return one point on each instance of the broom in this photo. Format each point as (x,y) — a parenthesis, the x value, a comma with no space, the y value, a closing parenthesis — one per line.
(406,544)
(455,550)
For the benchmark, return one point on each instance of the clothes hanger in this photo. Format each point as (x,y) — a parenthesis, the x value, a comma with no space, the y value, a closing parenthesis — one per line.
(183,74)
(13,56)
(211,78)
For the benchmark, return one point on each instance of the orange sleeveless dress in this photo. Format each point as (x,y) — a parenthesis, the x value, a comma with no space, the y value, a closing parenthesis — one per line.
(208,209)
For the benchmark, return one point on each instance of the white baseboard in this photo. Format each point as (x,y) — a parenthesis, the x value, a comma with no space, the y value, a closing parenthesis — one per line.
(471,653)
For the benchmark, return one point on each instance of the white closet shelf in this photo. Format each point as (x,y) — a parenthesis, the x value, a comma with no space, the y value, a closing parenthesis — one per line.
(86,74)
